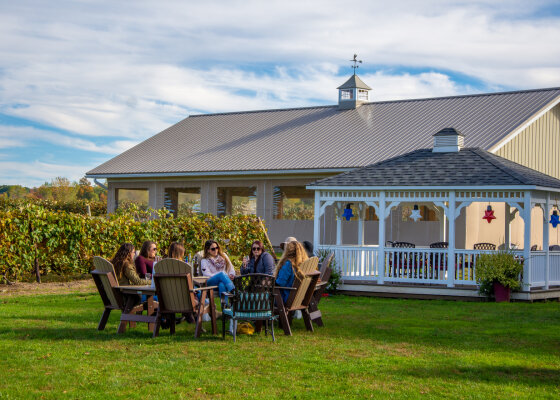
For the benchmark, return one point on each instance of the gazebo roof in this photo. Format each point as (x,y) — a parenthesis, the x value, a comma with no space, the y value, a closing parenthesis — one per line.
(468,167)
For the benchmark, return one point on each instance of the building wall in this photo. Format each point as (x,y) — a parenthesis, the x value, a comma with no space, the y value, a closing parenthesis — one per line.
(537,145)
(478,230)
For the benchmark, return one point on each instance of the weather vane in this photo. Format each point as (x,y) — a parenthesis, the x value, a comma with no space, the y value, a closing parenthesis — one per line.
(356,62)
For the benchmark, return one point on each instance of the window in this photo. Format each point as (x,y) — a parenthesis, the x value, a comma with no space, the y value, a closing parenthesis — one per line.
(362,94)
(427,213)
(182,201)
(237,200)
(293,203)
(346,94)
(132,196)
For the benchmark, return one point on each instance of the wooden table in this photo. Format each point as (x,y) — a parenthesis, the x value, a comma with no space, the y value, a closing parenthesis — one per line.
(126,316)
(200,280)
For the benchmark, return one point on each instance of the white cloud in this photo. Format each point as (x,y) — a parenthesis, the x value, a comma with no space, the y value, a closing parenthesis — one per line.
(18,136)
(35,173)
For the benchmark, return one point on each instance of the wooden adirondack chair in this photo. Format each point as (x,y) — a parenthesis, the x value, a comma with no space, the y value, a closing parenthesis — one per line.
(300,296)
(326,271)
(107,284)
(176,294)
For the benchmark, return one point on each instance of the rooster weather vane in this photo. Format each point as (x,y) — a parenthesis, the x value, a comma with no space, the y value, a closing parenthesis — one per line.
(356,62)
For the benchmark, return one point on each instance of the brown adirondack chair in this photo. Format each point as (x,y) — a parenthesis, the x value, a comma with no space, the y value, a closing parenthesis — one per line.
(326,271)
(176,294)
(300,296)
(107,284)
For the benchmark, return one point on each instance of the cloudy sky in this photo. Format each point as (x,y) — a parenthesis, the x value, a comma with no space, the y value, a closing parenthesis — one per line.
(81,81)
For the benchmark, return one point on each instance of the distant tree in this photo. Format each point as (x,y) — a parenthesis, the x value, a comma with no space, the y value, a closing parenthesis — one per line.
(14,191)
(63,189)
(85,190)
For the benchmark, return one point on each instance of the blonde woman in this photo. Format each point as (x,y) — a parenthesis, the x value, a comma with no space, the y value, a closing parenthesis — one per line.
(217,267)
(288,267)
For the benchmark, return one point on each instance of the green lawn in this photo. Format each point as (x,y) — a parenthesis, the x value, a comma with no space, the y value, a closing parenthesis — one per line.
(369,348)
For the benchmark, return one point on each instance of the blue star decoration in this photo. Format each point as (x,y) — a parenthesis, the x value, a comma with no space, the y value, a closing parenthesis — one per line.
(348,212)
(554,219)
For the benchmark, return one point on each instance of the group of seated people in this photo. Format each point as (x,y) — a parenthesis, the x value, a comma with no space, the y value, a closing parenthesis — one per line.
(215,264)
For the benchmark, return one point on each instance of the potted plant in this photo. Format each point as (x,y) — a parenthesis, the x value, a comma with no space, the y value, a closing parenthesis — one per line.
(497,274)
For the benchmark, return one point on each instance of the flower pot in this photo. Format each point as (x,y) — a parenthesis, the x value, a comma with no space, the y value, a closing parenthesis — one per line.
(501,293)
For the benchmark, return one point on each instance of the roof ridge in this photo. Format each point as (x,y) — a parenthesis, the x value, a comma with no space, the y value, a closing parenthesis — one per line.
(382,102)
(491,158)
(265,110)
(464,95)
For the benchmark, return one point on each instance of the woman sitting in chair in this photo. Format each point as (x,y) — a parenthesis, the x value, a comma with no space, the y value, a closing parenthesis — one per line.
(145,260)
(288,267)
(123,261)
(217,267)
(258,262)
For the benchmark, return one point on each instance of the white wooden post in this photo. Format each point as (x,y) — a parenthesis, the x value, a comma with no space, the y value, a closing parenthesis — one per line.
(443,227)
(546,242)
(361,217)
(317,220)
(527,241)
(338,214)
(507,227)
(451,249)
(381,252)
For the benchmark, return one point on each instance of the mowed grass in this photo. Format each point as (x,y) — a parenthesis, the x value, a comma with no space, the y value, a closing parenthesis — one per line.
(369,348)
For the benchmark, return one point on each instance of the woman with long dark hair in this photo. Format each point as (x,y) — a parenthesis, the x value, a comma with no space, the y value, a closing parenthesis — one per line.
(259,261)
(123,261)
(145,260)
(217,267)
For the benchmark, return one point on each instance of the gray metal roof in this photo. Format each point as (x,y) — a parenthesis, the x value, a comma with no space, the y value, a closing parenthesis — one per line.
(468,167)
(354,82)
(324,137)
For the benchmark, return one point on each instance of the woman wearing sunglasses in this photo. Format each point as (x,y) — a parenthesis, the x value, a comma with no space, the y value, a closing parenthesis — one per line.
(259,261)
(145,260)
(217,267)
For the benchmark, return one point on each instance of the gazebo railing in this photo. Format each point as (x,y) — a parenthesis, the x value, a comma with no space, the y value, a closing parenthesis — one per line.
(424,265)
(356,262)
(538,268)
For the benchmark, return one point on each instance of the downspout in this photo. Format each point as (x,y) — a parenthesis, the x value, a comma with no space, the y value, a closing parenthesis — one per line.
(100,184)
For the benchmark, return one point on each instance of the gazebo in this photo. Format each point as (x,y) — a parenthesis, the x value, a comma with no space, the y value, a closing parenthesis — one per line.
(450,177)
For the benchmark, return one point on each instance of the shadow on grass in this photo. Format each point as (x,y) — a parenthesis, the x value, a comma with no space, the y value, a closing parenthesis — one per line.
(109,334)
(491,374)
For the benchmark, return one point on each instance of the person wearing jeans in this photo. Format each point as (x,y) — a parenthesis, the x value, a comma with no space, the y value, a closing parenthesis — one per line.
(217,267)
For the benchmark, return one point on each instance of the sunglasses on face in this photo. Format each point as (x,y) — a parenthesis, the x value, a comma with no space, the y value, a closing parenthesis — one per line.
(213,248)
(256,248)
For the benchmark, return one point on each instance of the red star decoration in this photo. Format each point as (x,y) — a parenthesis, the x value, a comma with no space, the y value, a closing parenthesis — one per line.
(489,215)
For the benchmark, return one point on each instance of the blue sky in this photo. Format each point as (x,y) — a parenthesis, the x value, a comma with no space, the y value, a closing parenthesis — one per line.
(82,81)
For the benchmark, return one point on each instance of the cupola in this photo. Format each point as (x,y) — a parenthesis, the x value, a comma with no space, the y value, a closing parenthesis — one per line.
(448,140)
(352,93)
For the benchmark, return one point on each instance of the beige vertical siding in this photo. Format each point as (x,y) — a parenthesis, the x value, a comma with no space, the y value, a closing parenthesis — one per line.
(538,145)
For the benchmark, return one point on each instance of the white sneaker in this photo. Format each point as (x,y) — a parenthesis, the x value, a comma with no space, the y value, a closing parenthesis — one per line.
(297,314)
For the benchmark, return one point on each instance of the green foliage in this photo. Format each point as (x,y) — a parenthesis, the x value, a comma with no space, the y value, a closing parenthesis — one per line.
(335,279)
(97,208)
(64,243)
(502,267)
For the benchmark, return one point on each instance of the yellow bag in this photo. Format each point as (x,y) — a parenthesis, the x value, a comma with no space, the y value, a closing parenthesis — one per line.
(245,328)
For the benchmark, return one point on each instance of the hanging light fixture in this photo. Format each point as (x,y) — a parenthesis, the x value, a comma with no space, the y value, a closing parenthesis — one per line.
(489,214)
(348,212)
(415,214)
(554,219)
